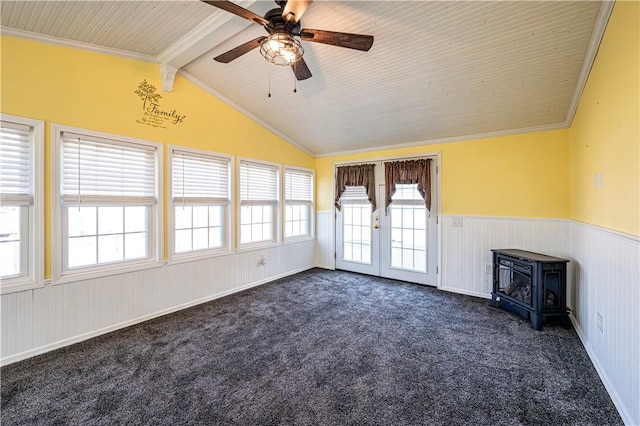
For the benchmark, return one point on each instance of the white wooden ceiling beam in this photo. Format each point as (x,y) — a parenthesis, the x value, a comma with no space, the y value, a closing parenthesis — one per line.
(207,35)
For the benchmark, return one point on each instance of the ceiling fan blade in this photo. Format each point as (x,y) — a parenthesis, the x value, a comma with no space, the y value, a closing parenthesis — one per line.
(237,10)
(238,51)
(301,70)
(294,9)
(351,41)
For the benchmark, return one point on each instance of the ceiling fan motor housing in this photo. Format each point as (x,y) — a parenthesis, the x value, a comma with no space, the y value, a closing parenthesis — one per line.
(281,48)
(278,23)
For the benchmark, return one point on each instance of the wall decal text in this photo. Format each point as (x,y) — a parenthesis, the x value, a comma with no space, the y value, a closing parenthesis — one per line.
(154,115)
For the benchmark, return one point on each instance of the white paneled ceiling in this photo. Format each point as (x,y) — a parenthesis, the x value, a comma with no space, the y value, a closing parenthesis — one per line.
(437,71)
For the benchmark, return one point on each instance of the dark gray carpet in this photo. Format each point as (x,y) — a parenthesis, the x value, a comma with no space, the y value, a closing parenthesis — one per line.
(318,348)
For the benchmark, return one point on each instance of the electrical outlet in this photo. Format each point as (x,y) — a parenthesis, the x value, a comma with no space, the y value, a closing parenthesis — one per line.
(488,269)
(599,322)
(262,260)
(457,222)
(598,180)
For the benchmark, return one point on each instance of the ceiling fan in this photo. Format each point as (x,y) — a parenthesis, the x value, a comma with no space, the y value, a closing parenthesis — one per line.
(283,25)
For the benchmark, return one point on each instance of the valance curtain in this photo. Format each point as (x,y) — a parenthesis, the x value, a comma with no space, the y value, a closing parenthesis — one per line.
(408,172)
(356,175)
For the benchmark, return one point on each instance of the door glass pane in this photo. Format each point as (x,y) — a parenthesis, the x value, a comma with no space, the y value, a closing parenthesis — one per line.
(356,231)
(408,230)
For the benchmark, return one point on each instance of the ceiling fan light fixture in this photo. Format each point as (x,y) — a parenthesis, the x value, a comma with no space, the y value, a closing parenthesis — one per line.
(281,49)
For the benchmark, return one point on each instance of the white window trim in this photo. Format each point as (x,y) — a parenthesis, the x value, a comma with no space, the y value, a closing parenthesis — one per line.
(156,234)
(229,216)
(312,213)
(35,276)
(278,211)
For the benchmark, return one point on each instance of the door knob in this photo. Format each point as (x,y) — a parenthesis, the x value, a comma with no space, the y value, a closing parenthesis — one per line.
(376,226)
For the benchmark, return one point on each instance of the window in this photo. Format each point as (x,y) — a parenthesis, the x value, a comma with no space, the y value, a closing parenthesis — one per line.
(21,203)
(298,194)
(408,229)
(356,229)
(107,201)
(259,183)
(200,188)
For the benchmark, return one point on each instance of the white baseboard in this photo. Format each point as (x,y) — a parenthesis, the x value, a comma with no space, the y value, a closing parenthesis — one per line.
(329,267)
(617,401)
(465,292)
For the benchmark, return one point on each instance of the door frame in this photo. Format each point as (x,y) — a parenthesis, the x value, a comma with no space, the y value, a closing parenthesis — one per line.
(436,156)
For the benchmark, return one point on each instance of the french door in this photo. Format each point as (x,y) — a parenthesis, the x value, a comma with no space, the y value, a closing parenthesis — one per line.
(401,243)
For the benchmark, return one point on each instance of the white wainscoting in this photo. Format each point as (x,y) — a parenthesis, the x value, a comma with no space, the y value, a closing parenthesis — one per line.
(467,242)
(42,319)
(325,240)
(607,282)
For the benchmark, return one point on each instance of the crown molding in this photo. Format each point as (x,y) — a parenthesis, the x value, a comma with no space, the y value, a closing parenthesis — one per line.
(532,129)
(28,35)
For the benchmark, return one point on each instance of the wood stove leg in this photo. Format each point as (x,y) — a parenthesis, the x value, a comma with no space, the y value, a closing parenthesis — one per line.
(493,300)
(536,321)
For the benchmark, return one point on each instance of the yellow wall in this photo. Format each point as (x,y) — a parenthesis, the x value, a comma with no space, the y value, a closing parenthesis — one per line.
(519,175)
(96,91)
(605,134)
(544,174)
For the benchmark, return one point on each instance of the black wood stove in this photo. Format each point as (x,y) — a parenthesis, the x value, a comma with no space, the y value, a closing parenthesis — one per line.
(530,284)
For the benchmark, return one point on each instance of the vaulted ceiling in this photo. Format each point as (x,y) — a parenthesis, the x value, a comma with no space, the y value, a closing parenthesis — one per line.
(437,71)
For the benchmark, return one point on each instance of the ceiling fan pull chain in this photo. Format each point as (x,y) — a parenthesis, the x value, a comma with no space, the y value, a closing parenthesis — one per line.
(269,72)
(295,79)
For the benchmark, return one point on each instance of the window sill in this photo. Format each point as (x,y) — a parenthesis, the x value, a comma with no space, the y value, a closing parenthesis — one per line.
(80,275)
(293,240)
(194,256)
(257,246)
(15,285)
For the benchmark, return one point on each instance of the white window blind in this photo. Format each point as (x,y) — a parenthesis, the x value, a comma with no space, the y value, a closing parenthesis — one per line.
(95,170)
(354,195)
(258,183)
(298,186)
(407,194)
(15,164)
(199,179)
